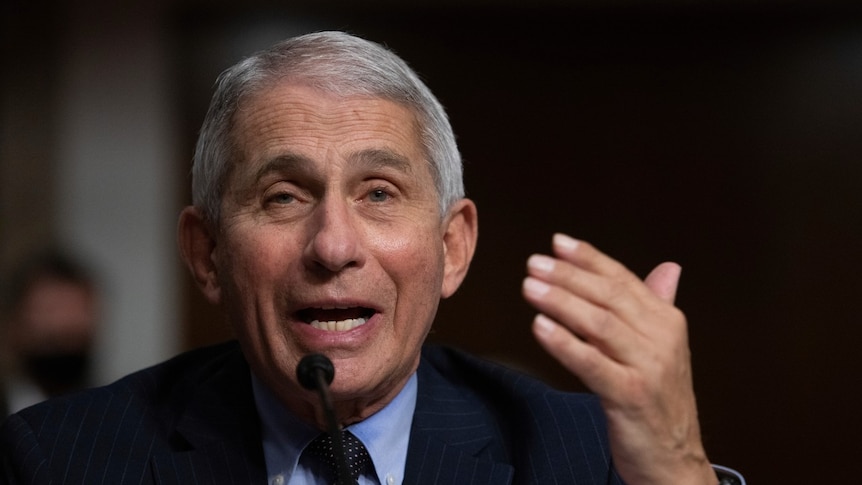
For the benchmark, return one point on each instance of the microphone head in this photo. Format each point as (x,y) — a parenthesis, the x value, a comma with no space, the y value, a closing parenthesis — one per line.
(309,367)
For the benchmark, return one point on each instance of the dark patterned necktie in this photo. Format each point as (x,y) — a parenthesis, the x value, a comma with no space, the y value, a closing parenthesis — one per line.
(355,452)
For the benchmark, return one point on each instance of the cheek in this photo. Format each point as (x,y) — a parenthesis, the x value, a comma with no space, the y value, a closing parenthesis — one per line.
(413,238)
(416,266)
(249,262)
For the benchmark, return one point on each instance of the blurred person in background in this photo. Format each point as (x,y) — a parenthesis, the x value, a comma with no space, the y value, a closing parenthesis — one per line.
(50,315)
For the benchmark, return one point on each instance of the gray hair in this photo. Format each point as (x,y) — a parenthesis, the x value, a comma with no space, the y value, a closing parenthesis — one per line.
(336,63)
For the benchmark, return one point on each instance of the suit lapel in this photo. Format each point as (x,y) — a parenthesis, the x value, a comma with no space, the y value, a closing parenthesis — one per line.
(218,431)
(453,439)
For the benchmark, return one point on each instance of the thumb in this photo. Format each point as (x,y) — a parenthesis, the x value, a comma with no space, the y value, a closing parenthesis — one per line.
(664,280)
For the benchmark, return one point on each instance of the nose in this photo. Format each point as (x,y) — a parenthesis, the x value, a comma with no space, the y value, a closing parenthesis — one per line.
(334,243)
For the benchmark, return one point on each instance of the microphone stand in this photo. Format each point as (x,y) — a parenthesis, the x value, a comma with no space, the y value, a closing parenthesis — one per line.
(315,372)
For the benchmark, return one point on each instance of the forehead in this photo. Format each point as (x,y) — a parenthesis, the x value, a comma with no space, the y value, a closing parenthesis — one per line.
(307,121)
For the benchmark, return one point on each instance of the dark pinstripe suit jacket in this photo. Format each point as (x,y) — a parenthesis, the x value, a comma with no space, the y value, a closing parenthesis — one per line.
(192,420)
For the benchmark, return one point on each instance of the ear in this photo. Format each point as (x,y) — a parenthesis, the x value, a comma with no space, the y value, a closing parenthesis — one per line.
(197,244)
(459,244)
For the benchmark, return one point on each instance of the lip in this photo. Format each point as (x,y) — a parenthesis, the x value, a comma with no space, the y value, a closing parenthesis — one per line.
(320,339)
(335,313)
(333,304)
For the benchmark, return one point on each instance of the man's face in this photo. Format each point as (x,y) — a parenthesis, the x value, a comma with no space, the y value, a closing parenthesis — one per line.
(330,241)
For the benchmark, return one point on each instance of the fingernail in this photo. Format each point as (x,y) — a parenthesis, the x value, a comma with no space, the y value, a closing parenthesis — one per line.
(543,325)
(535,287)
(541,263)
(564,242)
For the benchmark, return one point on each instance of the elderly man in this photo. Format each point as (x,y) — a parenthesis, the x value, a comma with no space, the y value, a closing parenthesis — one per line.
(329,217)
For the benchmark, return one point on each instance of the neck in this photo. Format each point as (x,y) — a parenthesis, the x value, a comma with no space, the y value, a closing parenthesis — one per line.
(348,409)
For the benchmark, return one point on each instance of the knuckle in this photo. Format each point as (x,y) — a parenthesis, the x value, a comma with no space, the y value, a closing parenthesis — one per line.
(603,325)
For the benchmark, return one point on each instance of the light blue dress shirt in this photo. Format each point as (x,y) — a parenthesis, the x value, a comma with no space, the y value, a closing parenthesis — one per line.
(385,435)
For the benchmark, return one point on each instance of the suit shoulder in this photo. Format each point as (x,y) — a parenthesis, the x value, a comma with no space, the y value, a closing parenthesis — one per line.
(531,425)
(494,379)
(184,371)
(513,398)
(148,392)
(115,430)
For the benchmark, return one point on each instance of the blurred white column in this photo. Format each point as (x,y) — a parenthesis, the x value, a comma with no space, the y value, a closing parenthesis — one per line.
(117,177)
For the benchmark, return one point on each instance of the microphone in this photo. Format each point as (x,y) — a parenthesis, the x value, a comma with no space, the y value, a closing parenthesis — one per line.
(315,372)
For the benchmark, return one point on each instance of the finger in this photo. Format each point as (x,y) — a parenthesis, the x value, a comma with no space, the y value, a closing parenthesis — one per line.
(589,364)
(597,288)
(586,256)
(664,281)
(616,287)
(624,296)
(594,324)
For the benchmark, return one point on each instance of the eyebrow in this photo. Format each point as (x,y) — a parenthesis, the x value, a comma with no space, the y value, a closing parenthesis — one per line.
(371,159)
(283,163)
(382,159)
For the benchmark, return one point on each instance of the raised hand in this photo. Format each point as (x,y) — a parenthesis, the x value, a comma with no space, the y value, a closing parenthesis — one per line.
(628,343)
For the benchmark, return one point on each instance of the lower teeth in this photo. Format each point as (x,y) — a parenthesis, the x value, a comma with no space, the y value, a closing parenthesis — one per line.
(338,325)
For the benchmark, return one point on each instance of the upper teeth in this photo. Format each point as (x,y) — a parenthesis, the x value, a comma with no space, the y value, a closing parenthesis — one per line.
(338,325)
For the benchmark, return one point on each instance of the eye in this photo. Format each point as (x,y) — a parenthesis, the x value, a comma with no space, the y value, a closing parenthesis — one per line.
(281,198)
(378,195)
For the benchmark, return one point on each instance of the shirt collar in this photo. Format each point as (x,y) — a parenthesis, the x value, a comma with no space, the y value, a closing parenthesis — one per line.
(385,433)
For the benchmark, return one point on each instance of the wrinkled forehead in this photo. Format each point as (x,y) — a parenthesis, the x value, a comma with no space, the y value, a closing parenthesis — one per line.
(296,117)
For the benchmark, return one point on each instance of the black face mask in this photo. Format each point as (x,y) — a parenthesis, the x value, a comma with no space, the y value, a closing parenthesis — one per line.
(58,373)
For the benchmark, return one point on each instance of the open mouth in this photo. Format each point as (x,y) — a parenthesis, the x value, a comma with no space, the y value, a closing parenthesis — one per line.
(336,319)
